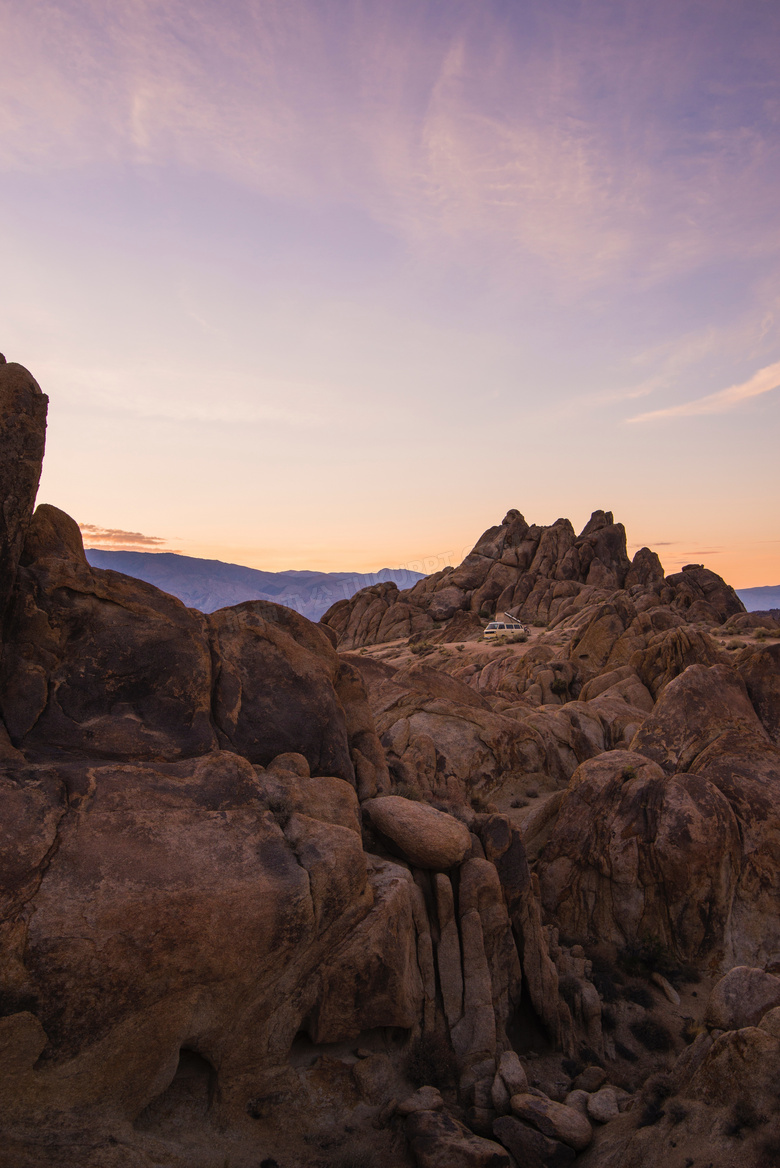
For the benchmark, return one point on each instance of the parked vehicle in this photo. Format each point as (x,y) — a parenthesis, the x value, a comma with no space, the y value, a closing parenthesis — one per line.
(501,628)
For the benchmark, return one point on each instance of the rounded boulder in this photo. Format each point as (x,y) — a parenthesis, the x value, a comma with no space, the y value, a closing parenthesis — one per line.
(427,838)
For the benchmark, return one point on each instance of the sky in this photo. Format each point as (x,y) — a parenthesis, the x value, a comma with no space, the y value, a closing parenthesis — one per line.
(333,284)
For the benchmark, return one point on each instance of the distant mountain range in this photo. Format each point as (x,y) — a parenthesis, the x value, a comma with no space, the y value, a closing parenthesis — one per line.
(760,599)
(211,584)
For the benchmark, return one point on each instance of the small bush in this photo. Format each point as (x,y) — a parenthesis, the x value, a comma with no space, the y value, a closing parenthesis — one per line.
(628,774)
(639,995)
(559,686)
(460,648)
(655,1092)
(649,955)
(605,985)
(653,1035)
(676,1112)
(650,1114)
(422,648)
(539,624)
(691,1031)
(625,1052)
(432,1062)
(532,793)
(519,803)
(409,791)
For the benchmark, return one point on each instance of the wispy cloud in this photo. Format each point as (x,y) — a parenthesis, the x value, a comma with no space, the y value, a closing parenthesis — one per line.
(114,539)
(764,381)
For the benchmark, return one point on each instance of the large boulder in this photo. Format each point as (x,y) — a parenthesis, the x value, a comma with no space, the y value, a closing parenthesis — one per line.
(99,663)
(554,1120)
(634,853)
(438,1140)
(741,998)
(426,837)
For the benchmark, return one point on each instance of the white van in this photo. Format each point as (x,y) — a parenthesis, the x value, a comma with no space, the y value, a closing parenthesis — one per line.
(502,628)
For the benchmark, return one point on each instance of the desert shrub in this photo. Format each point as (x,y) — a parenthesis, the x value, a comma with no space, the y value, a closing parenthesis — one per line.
(532,793)
(460,648)
(409,791)
(677,1112)
(691,1030)
(605,985)
(639,995)
(559,686)
(485,614)
(519,803)
(732,645)
(761,634)
(649,955)
(626,1053)
(628,774)
(650,1114)
(517,638)
(608,1020)
(539,624)
(422,648)
(432,1062)
(652,1034)
(743,1117)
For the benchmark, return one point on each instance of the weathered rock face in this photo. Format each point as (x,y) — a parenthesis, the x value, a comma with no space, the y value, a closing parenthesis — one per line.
(634,853)
(23,428)
(95,662)
(675,839)
(274,688)
(539,573)
(742,998)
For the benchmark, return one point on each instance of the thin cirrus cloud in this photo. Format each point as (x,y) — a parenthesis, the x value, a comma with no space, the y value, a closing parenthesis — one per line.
(446,129)
(764,381)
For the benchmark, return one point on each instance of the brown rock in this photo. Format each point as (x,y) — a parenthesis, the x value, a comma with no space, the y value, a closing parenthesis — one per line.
(426,1099)
(694,711)
(97,662)
(760,671)
(23,432)
(649,850)
(602,1106)
(742,998)
(529,1146)
(590,1080)
(440,1141)
(555,1120)
(428,838)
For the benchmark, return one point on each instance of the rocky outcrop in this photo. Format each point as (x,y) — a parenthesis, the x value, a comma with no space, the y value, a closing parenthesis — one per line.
(23,427)
(537,573)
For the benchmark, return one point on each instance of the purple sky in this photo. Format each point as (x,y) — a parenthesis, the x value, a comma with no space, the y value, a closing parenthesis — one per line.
(334,284)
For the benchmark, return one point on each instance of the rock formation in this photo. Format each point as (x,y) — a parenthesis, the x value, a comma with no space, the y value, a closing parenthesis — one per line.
(278,893)
(536,573)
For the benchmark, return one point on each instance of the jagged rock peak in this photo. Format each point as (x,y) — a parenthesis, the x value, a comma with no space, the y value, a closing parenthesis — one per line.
(597,520)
